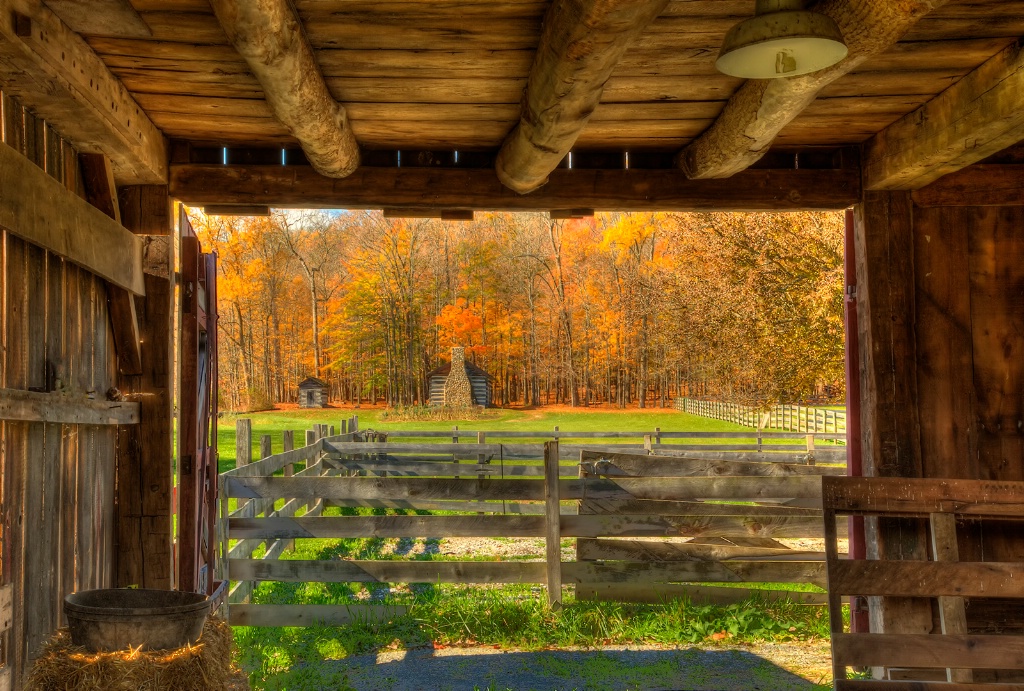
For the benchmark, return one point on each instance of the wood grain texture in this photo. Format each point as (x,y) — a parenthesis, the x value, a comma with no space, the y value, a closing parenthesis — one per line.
(270,38)
(907,650)
(624,190)
(921,497)
(55,73)
(40,210)
(979,116)
(101,18)
(312,615)
(581,42)
(29,406)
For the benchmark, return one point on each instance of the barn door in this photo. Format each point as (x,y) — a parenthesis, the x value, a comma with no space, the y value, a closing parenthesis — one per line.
(197,415)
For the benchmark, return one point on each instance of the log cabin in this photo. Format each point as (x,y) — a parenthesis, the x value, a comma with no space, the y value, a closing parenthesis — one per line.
(113,110)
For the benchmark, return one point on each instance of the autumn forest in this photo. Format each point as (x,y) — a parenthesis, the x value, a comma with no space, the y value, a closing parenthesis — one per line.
(627,309)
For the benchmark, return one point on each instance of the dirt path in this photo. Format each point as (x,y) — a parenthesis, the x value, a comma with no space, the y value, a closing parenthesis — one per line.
(779,667)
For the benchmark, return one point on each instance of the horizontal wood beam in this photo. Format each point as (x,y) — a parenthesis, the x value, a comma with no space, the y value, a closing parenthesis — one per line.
(979,116)
(480,189)
(31,406)
(37,208)
(108,18)
(55,73)
(270,38)
(581,42)
(978,185)
(761,108)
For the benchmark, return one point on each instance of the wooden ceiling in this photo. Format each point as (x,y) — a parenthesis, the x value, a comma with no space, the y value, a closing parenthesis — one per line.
(450,74)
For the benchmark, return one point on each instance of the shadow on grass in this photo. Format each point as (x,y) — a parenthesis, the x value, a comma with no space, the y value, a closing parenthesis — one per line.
(474,668)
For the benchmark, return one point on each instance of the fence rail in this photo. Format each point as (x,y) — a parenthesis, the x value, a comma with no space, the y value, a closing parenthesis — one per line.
(792,418)
(618,501)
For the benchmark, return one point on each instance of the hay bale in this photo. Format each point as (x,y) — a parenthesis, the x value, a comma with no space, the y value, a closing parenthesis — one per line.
(62,666)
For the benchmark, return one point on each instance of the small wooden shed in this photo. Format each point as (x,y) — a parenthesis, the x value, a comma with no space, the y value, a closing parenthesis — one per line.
(478,379)
(313,393)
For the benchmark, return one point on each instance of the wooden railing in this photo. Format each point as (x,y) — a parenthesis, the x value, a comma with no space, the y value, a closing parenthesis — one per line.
(957,658)
(552,491)
(792,418)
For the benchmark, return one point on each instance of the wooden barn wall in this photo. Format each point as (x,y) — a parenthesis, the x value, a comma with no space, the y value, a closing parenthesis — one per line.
(941,301)
(58,480)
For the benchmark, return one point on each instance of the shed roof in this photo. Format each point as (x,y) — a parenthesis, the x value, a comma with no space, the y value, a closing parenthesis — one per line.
(442,84)
(313,382)
(445,369)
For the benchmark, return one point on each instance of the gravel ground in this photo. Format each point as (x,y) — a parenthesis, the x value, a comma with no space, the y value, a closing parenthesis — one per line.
(778,667)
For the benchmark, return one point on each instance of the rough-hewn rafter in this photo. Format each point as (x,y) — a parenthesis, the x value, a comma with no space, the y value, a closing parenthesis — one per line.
(58,76)
(581,42)
(268,35)
(759,110)
(980,115)
(479,189)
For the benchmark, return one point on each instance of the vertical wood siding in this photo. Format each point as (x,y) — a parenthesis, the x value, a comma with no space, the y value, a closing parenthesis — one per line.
(57,491)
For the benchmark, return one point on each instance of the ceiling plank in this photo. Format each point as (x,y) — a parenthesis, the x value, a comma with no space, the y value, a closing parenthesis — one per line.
(977,117)
(268,35)
(761,108)
(480,190)
(580,45)
(111,18)
(57,75)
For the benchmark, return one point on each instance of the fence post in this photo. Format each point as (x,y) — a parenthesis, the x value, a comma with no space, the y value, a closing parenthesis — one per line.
(455,440)
(657,435)
(481,458)
(553,517)
(288,442)
(332,434)
(344,426)
(810,449)
(353,425)
(243,442)
(647,443)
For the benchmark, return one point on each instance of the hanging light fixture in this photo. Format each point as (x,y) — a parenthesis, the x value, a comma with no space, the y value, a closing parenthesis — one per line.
(782,39)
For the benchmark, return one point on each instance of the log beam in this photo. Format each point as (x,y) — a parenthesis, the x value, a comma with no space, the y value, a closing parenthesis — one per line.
(268,35)
(761,108)
(480,190)
(40,209)
(977,117)
(580,44)
(55,73)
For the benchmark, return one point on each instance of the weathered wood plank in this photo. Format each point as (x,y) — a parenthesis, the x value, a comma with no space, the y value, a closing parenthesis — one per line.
(952,613)
(30,406)
(387,526)
(925,578)
(552,526)
(630,465)
(658,593)
(39,209)
(694,508)
(56,74)
(982,184)
(337,488)
(272,464)
(920,497)
(885,685)
(651,550)
(591,573)
(421,188)
(910,650)
(976,117)
(111,18)
(365,571)
(312,615)
(6,607)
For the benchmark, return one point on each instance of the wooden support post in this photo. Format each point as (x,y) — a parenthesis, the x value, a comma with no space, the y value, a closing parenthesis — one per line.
(553,532)
(344,426)
(332,431)
(455,440)
(647,443)
(265,445)
(310,437)
(952,613)
(810,449)
(145,548)
(243,442)
(288,444)
(353,425)
(481,458)
(657,435)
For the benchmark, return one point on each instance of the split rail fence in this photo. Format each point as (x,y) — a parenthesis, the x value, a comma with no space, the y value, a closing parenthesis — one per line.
(629,506)
(960,657)
(790,418)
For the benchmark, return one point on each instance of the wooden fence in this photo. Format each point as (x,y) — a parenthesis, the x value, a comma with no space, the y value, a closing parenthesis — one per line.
(959,658)
(791,418)
(601,496)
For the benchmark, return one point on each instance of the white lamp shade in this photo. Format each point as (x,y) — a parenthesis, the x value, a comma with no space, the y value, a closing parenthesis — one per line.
(781,44)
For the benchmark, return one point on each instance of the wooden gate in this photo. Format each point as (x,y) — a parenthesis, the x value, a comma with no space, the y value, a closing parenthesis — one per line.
(197,419)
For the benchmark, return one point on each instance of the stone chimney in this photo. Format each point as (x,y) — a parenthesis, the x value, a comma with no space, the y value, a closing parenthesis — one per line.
(458,391)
